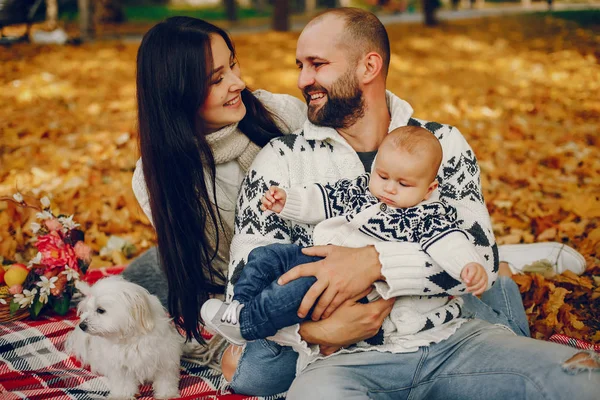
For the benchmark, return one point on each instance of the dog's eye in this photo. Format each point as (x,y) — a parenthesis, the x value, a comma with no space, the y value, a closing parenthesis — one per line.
(100,310)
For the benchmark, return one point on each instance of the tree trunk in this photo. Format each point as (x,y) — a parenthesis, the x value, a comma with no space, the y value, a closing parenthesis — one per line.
(108,11)
(51,14)
(260,5)
(281,16)
(86,20)
(429,7)
(231,10)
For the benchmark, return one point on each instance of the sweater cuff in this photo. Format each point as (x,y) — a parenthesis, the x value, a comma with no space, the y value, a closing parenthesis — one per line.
(402,266)
(293,205)
(453,252)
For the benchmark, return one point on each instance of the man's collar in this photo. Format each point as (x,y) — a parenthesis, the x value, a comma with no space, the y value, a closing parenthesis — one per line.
(400,112)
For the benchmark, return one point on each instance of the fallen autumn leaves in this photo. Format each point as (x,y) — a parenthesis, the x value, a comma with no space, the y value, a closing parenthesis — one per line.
(523,90)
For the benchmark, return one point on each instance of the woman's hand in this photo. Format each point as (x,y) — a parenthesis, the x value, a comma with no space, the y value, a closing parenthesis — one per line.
(342,274)
(349,324)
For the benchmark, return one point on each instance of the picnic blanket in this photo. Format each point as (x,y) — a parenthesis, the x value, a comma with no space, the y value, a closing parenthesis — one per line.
(34,365)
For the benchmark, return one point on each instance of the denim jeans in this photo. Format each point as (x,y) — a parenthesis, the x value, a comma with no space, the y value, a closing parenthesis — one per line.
(479,361)
(269,306)
(501,304)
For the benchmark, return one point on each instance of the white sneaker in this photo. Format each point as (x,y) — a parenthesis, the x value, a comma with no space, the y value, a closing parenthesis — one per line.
(560,256)
(223,318)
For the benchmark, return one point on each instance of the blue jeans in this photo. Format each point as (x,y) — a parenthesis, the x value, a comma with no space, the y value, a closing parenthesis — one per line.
(275,365)
(269,306)
(479,361)
(502,304)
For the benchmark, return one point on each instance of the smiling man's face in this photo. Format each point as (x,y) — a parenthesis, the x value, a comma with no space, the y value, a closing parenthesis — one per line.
(327,77)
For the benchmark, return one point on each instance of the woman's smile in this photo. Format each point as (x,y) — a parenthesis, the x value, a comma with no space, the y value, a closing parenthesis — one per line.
(235,102)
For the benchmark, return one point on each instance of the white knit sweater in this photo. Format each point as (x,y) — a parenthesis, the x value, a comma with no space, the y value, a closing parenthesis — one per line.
(290,113)
(321,155)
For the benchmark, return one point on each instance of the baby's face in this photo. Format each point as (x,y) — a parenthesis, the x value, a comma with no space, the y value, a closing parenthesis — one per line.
(400,179)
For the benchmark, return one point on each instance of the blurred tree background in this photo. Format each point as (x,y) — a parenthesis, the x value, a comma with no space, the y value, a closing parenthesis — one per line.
(523,89)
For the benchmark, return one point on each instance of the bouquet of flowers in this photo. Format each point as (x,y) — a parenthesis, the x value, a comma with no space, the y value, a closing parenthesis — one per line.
(50,279)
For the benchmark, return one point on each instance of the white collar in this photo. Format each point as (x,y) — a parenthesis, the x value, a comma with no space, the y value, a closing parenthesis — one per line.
(400,112)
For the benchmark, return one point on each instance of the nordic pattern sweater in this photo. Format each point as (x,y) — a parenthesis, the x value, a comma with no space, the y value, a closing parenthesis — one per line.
(321,155)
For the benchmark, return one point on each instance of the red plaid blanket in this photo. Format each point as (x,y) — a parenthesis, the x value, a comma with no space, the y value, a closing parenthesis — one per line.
(34,365)
(572,342)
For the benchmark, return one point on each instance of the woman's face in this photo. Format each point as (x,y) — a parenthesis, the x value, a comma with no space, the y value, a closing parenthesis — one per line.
(223,105)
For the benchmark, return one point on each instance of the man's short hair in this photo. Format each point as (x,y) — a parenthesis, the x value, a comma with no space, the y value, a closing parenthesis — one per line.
(365,33)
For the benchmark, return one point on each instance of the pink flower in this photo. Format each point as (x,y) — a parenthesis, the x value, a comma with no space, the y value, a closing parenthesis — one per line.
(55,253)
(53,224)
(15,289)
(83,252)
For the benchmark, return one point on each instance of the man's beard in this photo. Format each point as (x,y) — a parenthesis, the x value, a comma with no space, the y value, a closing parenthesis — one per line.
(344,105)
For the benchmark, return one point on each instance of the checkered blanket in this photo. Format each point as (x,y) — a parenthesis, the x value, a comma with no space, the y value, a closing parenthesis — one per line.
(572,342)
(34,365)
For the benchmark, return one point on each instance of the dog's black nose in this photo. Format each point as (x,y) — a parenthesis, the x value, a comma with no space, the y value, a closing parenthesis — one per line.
(83,326)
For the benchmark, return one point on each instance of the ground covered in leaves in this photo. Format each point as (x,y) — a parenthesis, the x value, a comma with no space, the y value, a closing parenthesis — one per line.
(523,90)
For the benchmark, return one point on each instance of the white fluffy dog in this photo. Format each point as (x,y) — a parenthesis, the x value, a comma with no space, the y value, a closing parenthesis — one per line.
(125,334)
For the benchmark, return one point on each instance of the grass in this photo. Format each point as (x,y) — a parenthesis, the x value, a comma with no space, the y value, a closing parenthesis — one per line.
(584,18)
(157,13)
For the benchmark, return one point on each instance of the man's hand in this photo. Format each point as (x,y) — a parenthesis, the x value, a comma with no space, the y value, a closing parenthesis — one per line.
(349,324)
(475,277)
(273,199)
(328,350)
(342,274)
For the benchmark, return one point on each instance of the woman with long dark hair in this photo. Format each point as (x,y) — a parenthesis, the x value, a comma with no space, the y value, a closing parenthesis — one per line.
(199,130)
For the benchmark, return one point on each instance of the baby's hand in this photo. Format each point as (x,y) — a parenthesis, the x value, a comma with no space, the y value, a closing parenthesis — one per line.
(274,199)
(475,277)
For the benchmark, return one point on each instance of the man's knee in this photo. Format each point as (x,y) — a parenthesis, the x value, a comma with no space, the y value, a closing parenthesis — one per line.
(318,384)
(582,361)
(230,360)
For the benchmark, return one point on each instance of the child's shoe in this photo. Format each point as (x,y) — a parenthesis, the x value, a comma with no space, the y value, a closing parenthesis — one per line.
(223,318)
(527,257)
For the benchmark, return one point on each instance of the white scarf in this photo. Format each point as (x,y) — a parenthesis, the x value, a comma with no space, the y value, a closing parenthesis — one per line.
(229,143)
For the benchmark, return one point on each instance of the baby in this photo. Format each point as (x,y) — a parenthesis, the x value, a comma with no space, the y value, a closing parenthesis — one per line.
(390,204)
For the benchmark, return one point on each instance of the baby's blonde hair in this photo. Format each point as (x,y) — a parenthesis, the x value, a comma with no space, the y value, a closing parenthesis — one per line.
(417,141)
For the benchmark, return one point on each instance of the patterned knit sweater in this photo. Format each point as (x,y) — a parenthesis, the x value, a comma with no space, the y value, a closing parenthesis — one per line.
(348,214)
(321,155)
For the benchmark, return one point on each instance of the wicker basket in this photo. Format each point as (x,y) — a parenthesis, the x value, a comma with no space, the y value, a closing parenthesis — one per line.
(5,316)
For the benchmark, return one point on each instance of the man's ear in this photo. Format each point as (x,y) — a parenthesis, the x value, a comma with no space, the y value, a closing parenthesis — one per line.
(434,185)
(372,65)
